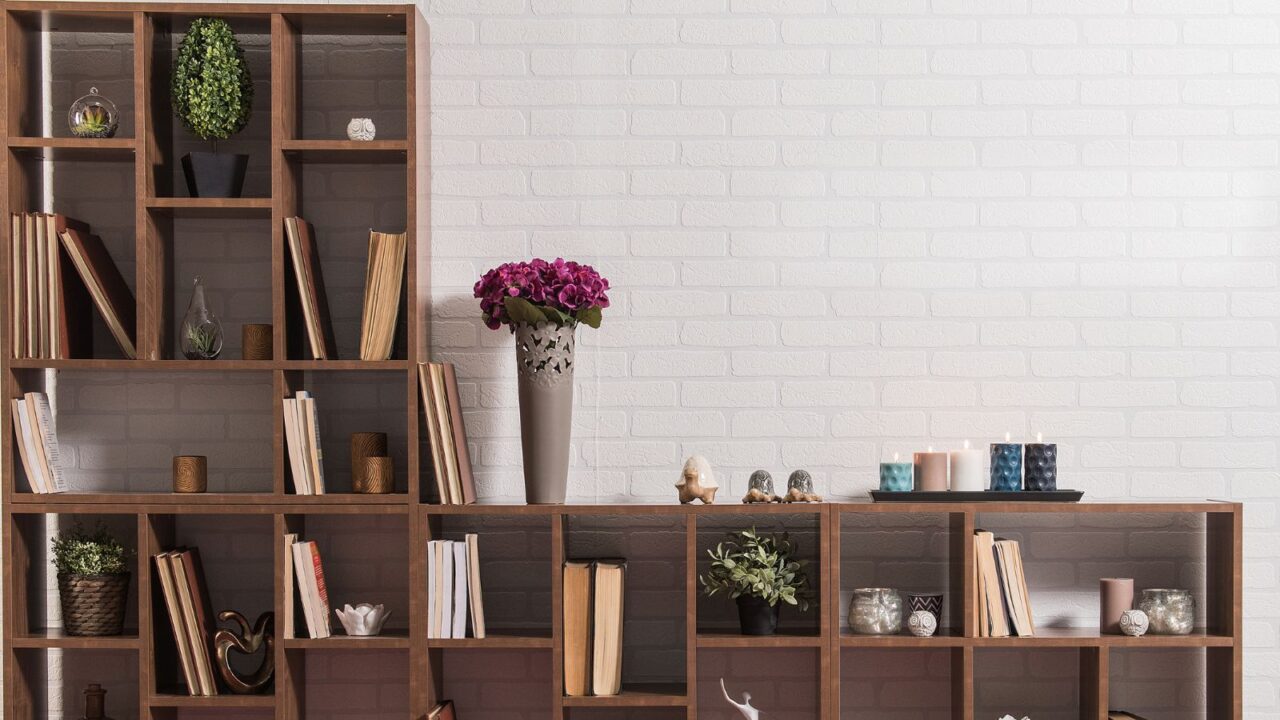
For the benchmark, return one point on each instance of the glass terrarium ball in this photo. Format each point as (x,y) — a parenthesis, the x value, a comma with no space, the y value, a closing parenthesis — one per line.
(93,116)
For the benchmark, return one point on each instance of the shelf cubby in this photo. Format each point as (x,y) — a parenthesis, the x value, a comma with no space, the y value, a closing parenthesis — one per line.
(57,677)
(787,681)
(86,48)
(884,684)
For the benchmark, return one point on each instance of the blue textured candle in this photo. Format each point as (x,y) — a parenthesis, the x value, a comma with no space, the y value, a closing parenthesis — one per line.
(1006,466)
(1042,466)
(895,476)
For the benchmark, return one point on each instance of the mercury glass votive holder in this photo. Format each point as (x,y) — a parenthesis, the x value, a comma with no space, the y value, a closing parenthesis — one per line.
(1042,466)
(875,611)
(896,476)
(1006,466)
(1171,612)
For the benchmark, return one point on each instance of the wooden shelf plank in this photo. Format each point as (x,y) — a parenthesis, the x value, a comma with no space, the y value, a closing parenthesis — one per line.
(780,640)
(533,638)
(389,640)
(225,701)
(636,695)
(945,638)
(72,148)
(213,365)
(211,503)
(348,151)
(50,638)
(211,207)
(1090,637)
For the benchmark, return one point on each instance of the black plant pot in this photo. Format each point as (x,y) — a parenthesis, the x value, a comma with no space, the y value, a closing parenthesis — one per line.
(214,175)
(756,617)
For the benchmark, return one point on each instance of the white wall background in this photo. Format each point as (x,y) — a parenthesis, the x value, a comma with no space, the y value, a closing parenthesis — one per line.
(840,229)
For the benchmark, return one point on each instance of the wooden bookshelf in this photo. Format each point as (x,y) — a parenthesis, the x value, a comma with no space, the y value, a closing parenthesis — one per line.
(157,518)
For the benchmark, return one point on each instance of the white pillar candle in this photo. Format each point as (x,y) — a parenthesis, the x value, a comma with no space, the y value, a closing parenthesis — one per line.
(966,470)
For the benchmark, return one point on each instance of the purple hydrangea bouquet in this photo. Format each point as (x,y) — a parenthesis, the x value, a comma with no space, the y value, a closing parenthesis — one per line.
(543,303)
(563,292)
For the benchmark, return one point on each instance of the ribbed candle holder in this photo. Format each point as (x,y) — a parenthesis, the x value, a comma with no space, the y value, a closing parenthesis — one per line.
(1042,466)
(896,476)
(1006,466)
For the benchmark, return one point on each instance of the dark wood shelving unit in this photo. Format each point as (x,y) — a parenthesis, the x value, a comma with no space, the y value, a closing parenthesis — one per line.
(155,516)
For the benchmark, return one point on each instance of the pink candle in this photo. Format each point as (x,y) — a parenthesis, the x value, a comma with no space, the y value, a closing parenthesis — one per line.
(931,470)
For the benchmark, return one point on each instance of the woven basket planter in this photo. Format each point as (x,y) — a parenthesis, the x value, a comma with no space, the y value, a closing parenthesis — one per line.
(93,605)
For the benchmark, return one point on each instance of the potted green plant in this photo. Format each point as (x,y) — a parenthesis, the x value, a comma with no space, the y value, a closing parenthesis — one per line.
(93,581)
(760,573)
(212,94)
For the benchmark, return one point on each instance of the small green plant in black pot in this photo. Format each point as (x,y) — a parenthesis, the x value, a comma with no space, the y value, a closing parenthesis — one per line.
(212,95)
(760,573)
(93,581)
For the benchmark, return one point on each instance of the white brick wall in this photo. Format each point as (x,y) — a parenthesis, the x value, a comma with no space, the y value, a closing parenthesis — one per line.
(843,228)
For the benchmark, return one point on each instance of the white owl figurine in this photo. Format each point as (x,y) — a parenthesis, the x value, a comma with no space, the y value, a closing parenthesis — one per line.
(922,623)
(361,129)
(1134,623)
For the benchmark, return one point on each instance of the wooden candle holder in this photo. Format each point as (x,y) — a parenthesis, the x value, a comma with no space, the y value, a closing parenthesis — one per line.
(379,477)
(365,445)
(255,341)
(190,473)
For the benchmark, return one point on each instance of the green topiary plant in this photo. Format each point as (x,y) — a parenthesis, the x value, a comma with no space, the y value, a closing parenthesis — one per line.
(77,552)
(761,566)
(212,92)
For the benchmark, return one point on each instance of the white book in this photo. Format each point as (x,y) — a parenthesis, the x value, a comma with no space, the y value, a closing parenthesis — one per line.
(459,589)
(49,441)
(446,590)
(31,436)
(433,603)
(26,448)
(311,420)
(289,540)
(306,587)
(476,600)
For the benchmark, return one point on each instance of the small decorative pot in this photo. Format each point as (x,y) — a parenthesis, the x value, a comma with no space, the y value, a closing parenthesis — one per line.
(363,620)
(1169,612)
(190,473)
(875,611)
(255,341)
(756,616)
(379,477)
(1134,623)
(365,445)
(93,605)
(928,602)
(922,623)
(361,129)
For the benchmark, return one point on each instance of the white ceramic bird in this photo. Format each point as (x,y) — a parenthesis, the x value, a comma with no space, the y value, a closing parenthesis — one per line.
(744,707)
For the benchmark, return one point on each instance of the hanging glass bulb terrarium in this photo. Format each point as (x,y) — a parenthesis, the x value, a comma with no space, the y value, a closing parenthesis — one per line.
(93,116)
(201,331)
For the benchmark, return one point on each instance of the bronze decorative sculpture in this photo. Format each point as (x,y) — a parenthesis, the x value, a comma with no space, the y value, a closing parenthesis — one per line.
(247,642)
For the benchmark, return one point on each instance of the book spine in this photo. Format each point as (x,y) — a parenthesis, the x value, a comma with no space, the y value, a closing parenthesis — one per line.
(322,591)
(49,439)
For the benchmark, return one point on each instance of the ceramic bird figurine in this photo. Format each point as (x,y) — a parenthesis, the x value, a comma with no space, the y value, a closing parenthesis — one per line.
(800,488)
(760,488)
(744,707)
(697,481)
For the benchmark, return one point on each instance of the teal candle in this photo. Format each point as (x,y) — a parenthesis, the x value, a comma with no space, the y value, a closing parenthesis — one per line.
(896,476)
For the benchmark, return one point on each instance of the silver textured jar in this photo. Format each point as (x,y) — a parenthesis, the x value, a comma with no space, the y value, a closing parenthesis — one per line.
(875,611)
(1170,612)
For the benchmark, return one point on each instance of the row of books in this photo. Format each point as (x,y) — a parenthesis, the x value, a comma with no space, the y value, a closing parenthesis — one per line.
(450,459)
(453,588)
(38,443)
(1004,606)
(302,441)
(384,279)
(302,562)
(593,593)
(186,598)
(58,268)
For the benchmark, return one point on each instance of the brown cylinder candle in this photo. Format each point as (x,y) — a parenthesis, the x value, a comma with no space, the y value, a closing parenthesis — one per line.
(190,473)
(1115,595)
(931,470)
(379,477)
(255,341)
(365,445)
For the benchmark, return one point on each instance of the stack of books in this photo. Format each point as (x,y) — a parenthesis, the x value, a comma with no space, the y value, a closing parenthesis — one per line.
(453,588)
(302,561)
(187,599)
(38,443)
(1004,607)
(302,441)
(593,593)
(450,458)
(305,258)
(384,277)
(58,267)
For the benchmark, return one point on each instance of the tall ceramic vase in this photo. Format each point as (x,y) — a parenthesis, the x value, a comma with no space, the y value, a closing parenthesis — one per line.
(544,366)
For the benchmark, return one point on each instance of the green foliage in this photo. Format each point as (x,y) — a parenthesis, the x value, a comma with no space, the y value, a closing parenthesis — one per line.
(212,92)
(755,565)
(78,552)
(202,338)
(94,122)
(523,311)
